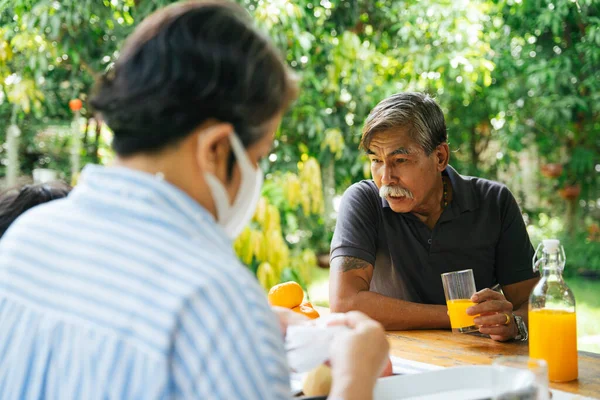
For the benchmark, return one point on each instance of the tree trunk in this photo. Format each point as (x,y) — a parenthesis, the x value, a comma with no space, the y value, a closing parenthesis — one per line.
(571,215)
(328,193)
(474,167)
(84,145)
(12,149)
(97,141)
(75,147)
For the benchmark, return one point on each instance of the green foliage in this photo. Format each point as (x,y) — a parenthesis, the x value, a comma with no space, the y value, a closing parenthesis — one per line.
(555,53)
(582,248)
(509,74)
(584,254)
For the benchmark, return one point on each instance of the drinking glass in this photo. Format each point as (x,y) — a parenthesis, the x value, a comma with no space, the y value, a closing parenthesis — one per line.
(520,378)
(459,286)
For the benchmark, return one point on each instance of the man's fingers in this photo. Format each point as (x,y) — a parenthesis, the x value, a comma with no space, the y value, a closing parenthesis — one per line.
(501,338)
(498,330)
(486,294)
(493,319)
(491,306)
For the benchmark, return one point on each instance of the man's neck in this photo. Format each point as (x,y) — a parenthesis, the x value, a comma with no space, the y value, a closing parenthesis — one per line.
(431,211)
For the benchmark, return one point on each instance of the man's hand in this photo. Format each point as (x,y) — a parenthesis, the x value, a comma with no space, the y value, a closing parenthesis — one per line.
(495,315)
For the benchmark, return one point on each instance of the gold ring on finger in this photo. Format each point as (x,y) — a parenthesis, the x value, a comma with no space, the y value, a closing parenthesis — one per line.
(507,319)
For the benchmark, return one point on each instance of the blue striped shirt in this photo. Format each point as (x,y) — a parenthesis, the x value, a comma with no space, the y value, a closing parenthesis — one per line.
(128,289)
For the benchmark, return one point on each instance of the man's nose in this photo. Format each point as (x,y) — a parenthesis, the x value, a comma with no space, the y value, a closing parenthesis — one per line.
(388,178)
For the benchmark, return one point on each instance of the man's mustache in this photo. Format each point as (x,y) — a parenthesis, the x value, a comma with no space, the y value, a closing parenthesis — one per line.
(395,191)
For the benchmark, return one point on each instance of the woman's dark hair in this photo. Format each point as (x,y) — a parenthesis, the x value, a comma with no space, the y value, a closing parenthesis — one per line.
(186,64)
(15,202)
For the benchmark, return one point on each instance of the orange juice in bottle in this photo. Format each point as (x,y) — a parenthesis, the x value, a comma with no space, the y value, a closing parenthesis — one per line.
(552,317)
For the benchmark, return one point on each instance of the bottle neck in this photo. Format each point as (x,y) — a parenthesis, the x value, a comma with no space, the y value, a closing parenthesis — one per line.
(551,267)
(551,274)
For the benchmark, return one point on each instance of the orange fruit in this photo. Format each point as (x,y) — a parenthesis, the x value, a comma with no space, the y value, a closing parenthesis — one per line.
(306,310)
(287,294)
(75,104)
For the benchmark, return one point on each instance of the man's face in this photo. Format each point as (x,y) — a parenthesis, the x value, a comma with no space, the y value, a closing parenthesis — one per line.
(404,174)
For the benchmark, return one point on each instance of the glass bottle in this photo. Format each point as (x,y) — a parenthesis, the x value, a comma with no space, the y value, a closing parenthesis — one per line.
(552,317)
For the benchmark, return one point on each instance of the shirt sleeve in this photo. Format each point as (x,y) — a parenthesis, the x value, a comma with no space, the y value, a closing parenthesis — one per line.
(514,251)
(228,345)
(357,224)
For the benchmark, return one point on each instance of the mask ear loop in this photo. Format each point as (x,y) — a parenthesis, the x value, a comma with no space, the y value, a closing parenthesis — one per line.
(249,132)
(230,163)
(232,158)
(237,146)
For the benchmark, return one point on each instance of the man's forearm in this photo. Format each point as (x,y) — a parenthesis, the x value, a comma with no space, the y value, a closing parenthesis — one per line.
(395,314)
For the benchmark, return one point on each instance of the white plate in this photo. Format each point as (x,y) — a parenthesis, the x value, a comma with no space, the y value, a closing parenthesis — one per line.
(422,381)
(400,366)
(458,383)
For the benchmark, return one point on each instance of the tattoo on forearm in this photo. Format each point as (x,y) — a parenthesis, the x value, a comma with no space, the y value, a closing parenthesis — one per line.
(350,263)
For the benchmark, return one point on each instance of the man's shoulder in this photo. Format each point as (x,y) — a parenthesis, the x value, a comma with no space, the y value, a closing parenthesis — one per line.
(485,186)
(365,189)
(361,197)
(487,191)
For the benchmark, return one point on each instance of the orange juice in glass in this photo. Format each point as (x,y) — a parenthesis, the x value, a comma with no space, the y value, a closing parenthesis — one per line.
(459,286)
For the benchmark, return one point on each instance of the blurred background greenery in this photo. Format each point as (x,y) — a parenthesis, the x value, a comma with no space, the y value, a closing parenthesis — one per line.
(518,80)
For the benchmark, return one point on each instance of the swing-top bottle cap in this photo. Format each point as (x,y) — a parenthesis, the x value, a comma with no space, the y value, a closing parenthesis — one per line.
(551,245)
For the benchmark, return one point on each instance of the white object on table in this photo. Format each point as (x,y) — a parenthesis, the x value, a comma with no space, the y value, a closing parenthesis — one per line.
(456,383)
(421,381)
(307,346)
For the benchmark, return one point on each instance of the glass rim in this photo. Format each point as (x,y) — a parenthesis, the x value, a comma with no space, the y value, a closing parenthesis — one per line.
(519,358)
(457,272)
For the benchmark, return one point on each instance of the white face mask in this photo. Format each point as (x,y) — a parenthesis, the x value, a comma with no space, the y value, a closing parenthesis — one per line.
(234,217)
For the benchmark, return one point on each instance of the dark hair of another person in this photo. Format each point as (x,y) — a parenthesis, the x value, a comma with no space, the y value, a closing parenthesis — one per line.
(13,202)
(189,63)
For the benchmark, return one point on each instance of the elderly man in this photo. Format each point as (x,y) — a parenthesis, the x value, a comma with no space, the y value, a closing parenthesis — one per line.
(419,218)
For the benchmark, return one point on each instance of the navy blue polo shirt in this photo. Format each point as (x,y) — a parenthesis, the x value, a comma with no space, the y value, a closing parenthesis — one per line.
(481,229)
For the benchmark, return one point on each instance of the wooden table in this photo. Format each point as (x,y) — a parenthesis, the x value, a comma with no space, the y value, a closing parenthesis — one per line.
(446,349)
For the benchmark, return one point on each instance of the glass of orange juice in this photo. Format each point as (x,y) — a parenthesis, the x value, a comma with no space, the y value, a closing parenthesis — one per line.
(533,386)
(459,286)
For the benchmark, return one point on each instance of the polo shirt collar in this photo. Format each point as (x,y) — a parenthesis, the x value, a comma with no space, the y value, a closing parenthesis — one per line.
(463,192)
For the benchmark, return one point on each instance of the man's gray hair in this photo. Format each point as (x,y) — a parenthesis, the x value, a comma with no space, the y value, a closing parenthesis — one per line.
(417,112)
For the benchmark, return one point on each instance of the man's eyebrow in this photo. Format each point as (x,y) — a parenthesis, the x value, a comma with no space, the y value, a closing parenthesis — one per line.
(400,150)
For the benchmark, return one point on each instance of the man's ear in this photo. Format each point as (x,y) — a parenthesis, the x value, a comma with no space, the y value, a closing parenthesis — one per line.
(442,156)
(213,148)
